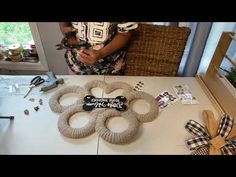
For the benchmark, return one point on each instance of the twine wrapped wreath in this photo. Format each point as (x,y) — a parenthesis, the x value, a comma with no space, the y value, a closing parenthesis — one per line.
(68,131)
(153,112)
(215,139)
(54,100)
(112,137)
(99,117)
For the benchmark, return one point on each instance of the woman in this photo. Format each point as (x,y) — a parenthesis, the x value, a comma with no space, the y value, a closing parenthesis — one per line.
(107,43)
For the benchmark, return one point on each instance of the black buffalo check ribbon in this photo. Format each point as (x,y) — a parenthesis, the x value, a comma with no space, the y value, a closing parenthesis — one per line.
(196,129)
(203,141)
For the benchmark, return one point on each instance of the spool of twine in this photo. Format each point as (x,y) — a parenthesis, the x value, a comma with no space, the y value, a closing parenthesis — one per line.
(15,51)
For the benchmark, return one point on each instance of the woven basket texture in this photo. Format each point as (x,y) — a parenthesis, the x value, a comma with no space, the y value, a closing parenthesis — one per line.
(156,50)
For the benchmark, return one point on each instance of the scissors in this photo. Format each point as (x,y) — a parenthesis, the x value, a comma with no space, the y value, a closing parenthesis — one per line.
(34,82)
(65,45)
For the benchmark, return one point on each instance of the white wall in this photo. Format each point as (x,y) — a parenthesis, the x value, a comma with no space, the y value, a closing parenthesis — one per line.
(50,35)
(213,39)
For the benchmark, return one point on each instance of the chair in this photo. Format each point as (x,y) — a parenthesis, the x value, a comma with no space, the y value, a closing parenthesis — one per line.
(156,50)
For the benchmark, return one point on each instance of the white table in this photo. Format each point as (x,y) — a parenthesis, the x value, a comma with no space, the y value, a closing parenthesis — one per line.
(38,133)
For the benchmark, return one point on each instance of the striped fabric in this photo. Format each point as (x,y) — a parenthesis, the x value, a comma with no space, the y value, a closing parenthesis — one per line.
(228,150)
(196,129)
(201,143)
(226,124)
(201,151)
(197,142)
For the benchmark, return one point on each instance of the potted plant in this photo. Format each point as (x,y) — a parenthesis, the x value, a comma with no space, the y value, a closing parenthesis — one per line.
(231,76)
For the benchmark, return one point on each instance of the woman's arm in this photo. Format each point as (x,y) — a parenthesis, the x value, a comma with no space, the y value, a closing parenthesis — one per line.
(119,41)
(66,27)
(90,56)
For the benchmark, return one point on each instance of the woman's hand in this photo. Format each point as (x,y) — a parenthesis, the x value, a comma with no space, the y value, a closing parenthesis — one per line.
(90,56)
(66,28)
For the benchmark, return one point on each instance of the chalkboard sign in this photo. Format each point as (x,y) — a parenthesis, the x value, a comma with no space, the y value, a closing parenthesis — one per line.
(118,103)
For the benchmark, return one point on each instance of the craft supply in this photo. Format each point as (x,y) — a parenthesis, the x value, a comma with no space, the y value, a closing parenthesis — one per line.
(93,84)
(119,103)
(15,52)
(113,137)
(3,52)
(66,130)
(70,42)
(15,58)
(153,111)
(103,114)
(215,139)
(138,86)
(33,51)
(36,108)
(15,49)
(33,83)
(1,56)
(40,101)
(54,100)
(7,117)
(184,94)
(11,89)
(165,98)
(31,99)
(17,86)
(26,112)
(51,82)
(117,85)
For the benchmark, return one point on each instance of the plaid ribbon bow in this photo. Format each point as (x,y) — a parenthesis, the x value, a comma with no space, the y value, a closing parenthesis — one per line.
(216,138)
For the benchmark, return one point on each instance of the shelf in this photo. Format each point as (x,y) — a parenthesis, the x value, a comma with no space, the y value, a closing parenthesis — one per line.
(216,82)
(21,65)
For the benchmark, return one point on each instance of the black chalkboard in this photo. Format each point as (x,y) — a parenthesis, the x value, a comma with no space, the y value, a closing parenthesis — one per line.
(118,103)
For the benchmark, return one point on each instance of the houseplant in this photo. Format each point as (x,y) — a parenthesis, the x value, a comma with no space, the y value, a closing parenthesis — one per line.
(231,76)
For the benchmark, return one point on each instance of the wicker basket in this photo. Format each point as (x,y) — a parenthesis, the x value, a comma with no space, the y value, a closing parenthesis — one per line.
(156,50)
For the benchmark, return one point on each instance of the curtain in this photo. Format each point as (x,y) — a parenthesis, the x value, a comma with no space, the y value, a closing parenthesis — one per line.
(193,60)
(192,26)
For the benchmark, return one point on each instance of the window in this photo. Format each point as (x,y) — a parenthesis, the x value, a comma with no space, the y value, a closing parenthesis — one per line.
(15,33)
(21,47)
(17,42)
(212,42)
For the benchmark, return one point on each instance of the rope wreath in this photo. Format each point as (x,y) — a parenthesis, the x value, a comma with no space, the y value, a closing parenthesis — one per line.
(54,100)
(117,85)
(151,115)
(93,84)
(98,119)
(68,131)
(112,137)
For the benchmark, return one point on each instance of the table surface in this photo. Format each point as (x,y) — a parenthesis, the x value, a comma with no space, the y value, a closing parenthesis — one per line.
(37,133)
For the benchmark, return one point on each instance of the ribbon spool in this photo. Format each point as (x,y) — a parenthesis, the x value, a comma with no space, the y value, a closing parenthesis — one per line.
(33,51)
(15,52)
(3,52)
(1,55)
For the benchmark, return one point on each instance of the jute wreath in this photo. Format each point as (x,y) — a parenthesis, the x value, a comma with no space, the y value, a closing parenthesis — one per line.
(98,117)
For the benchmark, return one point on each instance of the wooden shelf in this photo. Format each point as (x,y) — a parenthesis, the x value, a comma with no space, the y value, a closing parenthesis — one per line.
(219,86)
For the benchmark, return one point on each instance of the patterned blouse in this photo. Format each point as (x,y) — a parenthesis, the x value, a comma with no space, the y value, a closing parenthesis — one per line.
(98,35)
